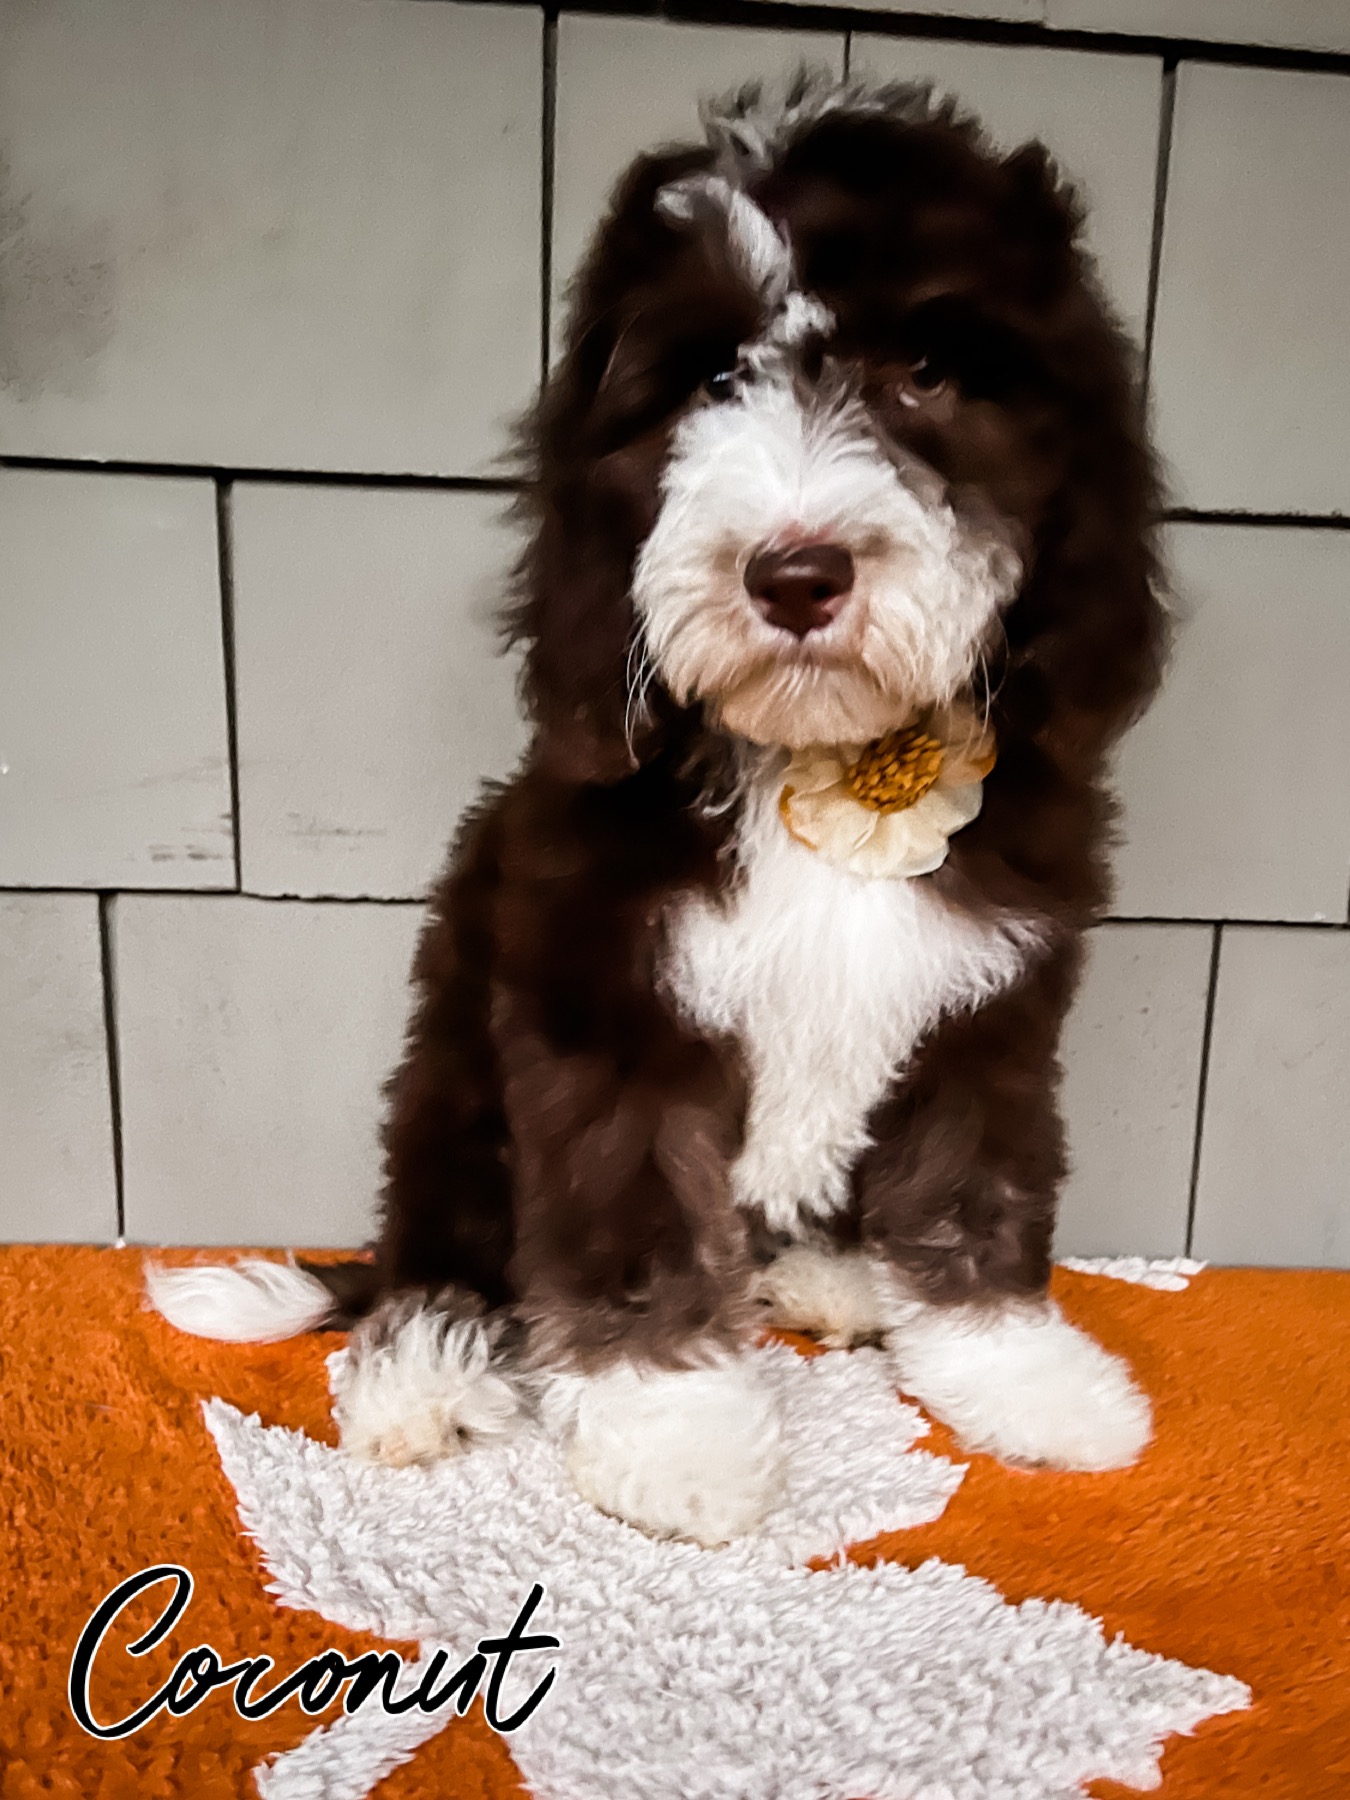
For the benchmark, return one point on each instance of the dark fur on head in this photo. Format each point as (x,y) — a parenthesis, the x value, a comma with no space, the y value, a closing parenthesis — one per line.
(558,1138)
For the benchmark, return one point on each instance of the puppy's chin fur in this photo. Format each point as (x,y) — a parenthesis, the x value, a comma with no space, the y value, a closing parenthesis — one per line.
(791,708)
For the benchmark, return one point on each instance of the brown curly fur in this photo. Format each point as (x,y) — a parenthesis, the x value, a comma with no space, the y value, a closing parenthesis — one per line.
(556,1138)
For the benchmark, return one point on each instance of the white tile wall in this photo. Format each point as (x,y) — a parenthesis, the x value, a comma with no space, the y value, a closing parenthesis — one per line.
(1295,24)
(1251,357)
(254,1038)
(113,745)
(626,85)
(1132,1056)
(1237,783)
(1098,114)
(372,697)
(1275,1158)
(307,235)
(56,1167)
(247,232)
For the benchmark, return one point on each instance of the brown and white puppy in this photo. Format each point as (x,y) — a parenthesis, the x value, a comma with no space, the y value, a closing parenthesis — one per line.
(844,441)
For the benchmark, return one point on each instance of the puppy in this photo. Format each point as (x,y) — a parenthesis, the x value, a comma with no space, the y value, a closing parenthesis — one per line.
(741,1001)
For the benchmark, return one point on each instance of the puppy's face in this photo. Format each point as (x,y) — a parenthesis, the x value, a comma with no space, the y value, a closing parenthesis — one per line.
(836,378)
(810,576)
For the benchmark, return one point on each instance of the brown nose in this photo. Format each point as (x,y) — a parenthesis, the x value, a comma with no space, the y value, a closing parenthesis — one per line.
(800,589)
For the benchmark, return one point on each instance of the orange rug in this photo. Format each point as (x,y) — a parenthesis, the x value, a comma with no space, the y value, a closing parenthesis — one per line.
(1226,1548)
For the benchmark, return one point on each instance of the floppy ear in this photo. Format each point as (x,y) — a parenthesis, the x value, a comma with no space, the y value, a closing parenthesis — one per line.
(1088,637)
(594,449)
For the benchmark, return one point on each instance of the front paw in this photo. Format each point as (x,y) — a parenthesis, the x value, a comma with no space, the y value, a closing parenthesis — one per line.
(692,1453)
(1024,1385)
(830,1294)
(417,1384)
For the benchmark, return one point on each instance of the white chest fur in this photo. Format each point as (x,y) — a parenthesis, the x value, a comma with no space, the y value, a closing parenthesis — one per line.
(827,981)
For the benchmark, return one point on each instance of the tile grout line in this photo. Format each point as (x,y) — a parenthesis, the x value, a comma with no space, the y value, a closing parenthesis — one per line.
(547,163)
(1212,919)
(1202,1086)
(1161,174)
(482,484)
(315,477)
(225,565)
(105,947)
(206,894)
(1189,921)
(1259,521)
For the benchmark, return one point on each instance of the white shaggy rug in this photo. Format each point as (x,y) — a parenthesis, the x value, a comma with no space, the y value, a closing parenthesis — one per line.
(688,1674)
(1169,1273)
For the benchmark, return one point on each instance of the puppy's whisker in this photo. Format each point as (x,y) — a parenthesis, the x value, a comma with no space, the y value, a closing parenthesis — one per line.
(993,688)
(640,672)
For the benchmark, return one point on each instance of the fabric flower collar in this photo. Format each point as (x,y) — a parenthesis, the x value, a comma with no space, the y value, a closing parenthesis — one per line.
(889,808)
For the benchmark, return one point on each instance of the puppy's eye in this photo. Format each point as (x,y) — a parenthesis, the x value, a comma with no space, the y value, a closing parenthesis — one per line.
(923,380)
(721,386)
(927,376)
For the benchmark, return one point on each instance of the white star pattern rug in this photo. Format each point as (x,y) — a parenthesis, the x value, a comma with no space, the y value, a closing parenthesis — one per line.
(690,1674)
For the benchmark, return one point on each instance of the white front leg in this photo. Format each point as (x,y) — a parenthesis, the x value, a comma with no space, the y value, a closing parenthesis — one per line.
(1017,1380)
(689,1453)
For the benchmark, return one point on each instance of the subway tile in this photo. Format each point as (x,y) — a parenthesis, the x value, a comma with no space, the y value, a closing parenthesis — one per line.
(1275,1152)
(372,698)
(628,85)
(1098,114)
(1251,354)
(295,236)
(1132,1053)
(114,767)
(57,1178)
(1292,24)
(1237,802)
(254,1038)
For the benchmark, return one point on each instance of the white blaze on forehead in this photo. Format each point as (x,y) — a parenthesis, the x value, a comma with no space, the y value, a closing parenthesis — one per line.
(760,252)
(799,317)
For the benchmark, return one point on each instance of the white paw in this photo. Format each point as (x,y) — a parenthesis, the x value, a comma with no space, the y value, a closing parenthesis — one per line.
(414,1386)
(1023,1384)
(829,1293)
(693,1453)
